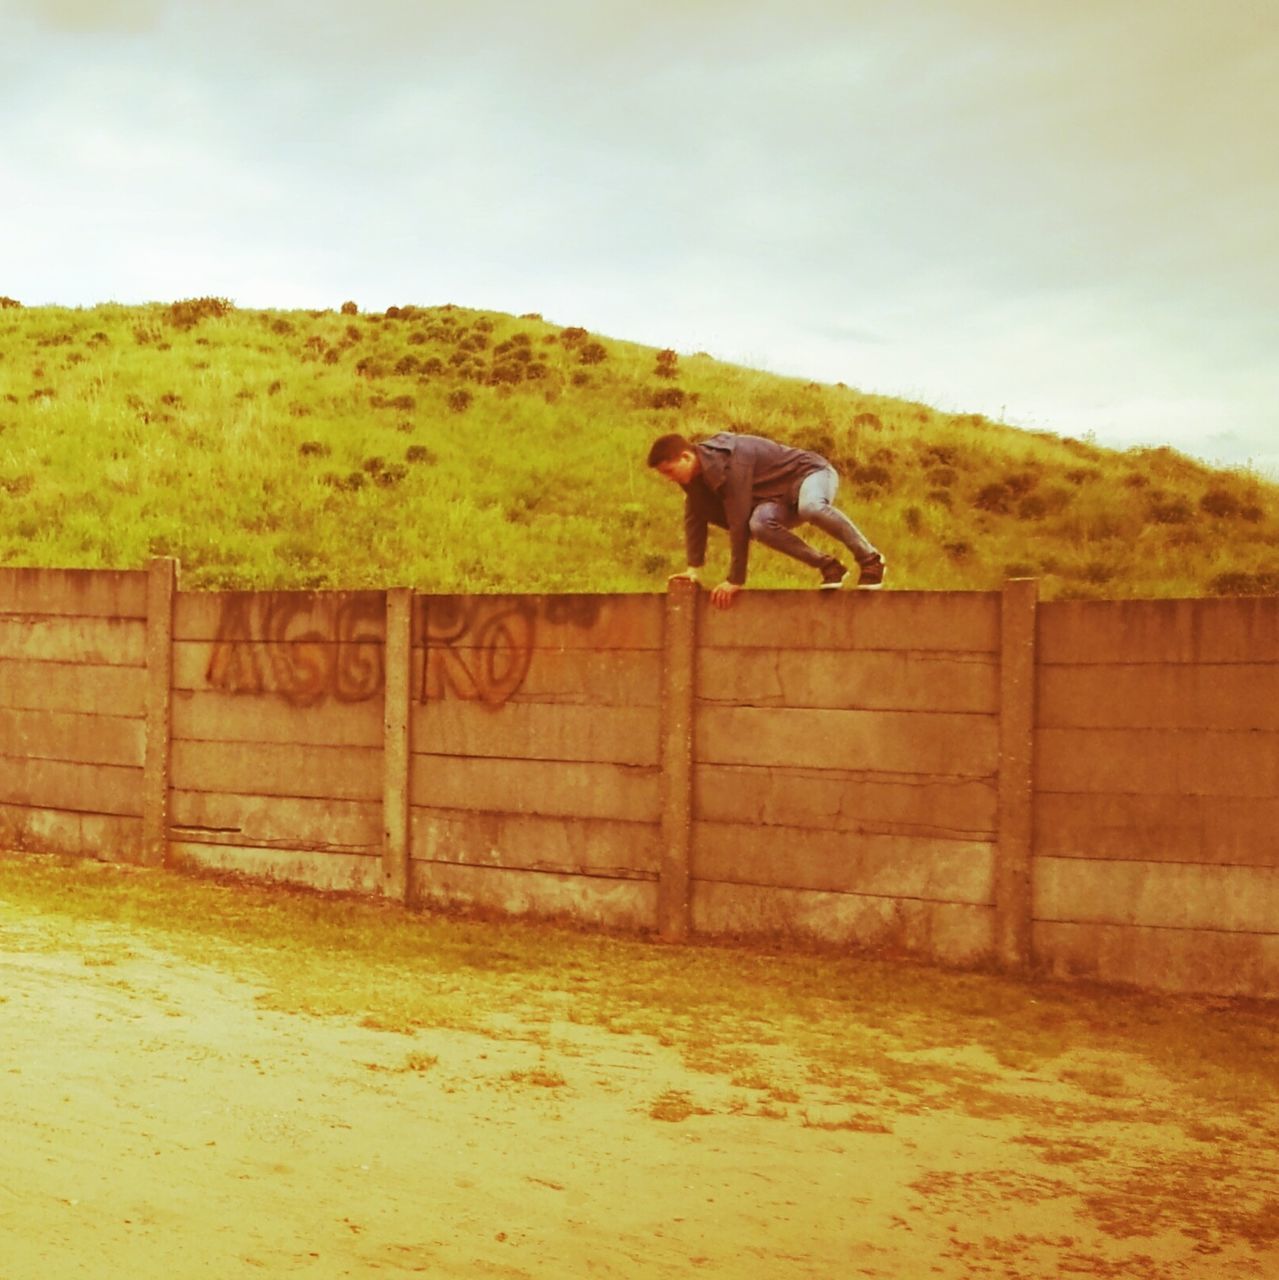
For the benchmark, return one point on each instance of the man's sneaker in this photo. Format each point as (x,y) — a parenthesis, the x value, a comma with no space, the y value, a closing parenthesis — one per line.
(871,575)
(833,575)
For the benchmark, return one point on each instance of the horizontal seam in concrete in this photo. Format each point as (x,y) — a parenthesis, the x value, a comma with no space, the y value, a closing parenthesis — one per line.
(1153,862)
(614,764)
(1160,928)
(985,904)
(65,809)
(84,764)
(465,814)
(623,874)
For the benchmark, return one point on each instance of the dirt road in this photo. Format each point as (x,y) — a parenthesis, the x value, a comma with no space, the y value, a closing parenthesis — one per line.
(160,1122)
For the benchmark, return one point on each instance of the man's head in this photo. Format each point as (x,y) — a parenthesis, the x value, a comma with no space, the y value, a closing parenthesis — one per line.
(674,457)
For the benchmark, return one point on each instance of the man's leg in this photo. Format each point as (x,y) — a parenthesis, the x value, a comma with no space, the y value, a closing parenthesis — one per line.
(771,524)
(817,507)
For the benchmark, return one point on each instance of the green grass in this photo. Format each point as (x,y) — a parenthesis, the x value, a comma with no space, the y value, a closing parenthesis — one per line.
(456,450)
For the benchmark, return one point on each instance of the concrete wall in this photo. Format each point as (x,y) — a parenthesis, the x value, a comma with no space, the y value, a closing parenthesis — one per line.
(1157,793)
(846,762)
(1090,787)
(73,688)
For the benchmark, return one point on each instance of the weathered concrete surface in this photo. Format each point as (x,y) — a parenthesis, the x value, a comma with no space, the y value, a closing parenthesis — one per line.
(1160,959)
(952,933)
(965,622)
(318,823)
(886,741)
(841,679)
(846,800)
(1158,894)
(1241,831)
(107,837)
(589,846)
(83,593)
(845,862)
(592,900)
(1219,695)
(549,787)
(84,689)
(336,872)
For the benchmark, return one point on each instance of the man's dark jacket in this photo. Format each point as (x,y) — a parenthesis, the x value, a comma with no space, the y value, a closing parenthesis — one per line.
(738,473)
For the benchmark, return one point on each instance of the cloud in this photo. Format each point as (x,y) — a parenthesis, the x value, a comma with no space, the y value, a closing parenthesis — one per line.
(128,17)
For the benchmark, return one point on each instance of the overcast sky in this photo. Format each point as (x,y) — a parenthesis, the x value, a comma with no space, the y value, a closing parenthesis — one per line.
(1061,213)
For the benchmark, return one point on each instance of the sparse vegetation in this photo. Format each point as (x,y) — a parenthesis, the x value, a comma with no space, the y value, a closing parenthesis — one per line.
(194,429)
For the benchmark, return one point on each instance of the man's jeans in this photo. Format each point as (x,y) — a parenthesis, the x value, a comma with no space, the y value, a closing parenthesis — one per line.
(772,522)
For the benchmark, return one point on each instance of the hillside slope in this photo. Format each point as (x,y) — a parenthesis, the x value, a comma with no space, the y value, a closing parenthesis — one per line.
(458,450)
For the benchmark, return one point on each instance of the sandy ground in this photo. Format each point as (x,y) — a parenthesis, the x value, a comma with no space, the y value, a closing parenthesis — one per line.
(159,1122)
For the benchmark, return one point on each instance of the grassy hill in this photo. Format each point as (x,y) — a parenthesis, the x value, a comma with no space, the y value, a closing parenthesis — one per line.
(459,450)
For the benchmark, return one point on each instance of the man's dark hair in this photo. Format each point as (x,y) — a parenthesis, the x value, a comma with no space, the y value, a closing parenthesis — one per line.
(667,449)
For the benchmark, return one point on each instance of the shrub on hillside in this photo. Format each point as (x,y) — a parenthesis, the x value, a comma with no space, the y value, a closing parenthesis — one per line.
(995,498)
(874,474)
(7,304)
(1219,502)
(665,367)
(459,401)
(187,313)
(667,398)
(573,335)
(350,309)
(870,421)
(1244,584)
(1174,511)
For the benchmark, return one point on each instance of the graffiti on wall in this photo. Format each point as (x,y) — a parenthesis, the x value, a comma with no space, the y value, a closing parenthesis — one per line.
(481,650)
(303,648)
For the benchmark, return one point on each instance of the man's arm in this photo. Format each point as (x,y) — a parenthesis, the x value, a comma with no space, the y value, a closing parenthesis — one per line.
(695,524)
(739,486)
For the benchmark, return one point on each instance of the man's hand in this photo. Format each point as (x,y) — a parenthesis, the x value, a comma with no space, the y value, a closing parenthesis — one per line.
(723,595)
(688,575)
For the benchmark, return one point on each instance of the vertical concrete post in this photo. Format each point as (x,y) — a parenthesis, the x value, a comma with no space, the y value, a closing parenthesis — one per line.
(1013,852)
(679,658)
(162,581)
(396,724)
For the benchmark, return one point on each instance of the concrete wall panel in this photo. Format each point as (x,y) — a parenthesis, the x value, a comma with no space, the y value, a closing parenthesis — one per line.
(591,900)
(1158,895)
(965,622)
(538,731)
(1156,631)
(324,825)
(90,690)
(839,800)
(1201,960)
(248,617)
(1157,762)
(336,872)
(953,933)
(218,717)
(1205,829)
(843,862)
(837,679)
(1239,696)
(85,593)
(500,623)
(273,769)
(65,735)
(105,641)
(75,788)
(106,837)
(547,787)
(884,741)
(583,846)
